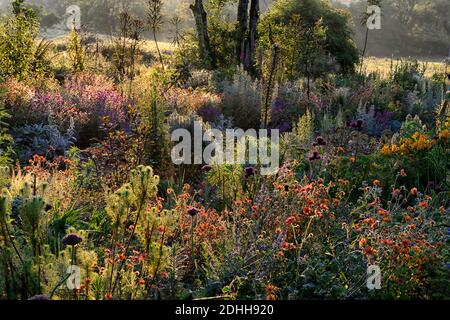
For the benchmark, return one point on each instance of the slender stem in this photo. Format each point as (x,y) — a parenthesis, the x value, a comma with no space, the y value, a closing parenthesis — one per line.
(141,204)
(66,277)
(157,48)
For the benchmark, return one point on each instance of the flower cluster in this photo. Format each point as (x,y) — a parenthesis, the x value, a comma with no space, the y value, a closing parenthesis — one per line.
(418,142)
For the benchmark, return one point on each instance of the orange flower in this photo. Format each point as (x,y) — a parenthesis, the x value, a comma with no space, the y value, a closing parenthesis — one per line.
(369,251)
(413,191)
(403,173)
(271,297)
(307,211)
(369,221)
(271,288)
(280,254)
(376,183)
(108,296)
(423,204)
(362,242)
(352,159)
(290,220)
(341,150)
(417,249)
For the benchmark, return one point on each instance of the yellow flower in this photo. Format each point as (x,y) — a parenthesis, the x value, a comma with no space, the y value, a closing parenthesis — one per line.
(444,135)
(386,150)
(394,148)
(416,135)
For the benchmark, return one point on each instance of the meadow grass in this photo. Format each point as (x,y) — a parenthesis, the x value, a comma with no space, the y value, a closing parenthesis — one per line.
(382,66)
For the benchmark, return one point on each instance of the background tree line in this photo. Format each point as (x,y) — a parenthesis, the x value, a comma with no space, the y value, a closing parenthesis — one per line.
(409,27)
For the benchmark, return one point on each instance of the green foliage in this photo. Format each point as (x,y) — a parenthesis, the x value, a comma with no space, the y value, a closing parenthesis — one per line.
(75,52)
(304,129)
(152,118)
(316,17)
(17,43)
(228,181)
(242,100)
(407,74)
(221,30)
(5,139)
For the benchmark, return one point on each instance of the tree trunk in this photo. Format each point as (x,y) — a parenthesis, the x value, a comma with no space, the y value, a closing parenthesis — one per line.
(268,82)
(242,20)
(201,23)
(250,56)
(364,49)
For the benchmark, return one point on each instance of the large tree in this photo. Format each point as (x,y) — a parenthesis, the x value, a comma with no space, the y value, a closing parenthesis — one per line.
(338,45)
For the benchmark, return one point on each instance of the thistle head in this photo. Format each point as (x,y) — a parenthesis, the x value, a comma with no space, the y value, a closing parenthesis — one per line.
(72,239)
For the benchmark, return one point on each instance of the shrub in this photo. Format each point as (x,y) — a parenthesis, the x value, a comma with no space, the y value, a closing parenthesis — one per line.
(40,139)
(242,100)
(17,42)
(338,42)
(86,102)
(188,101)
(16,97)
(407,74)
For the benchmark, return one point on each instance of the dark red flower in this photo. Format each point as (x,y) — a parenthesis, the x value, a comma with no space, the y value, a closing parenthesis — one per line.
(321,141)
(315,156)
(193,211)
(250,172)
(72,239)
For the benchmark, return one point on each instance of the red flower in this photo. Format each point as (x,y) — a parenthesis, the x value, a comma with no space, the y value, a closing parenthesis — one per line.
(290,220)
(369,251)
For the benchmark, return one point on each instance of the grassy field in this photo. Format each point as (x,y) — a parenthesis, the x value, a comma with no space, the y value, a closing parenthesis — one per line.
(370,64)
(383,65)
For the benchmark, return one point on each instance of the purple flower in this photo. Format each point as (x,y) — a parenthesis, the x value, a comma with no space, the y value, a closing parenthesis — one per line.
(209,113)
(280,116)
(72,239)
(250,172)
(357,125)
(315,156)
(320,141)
